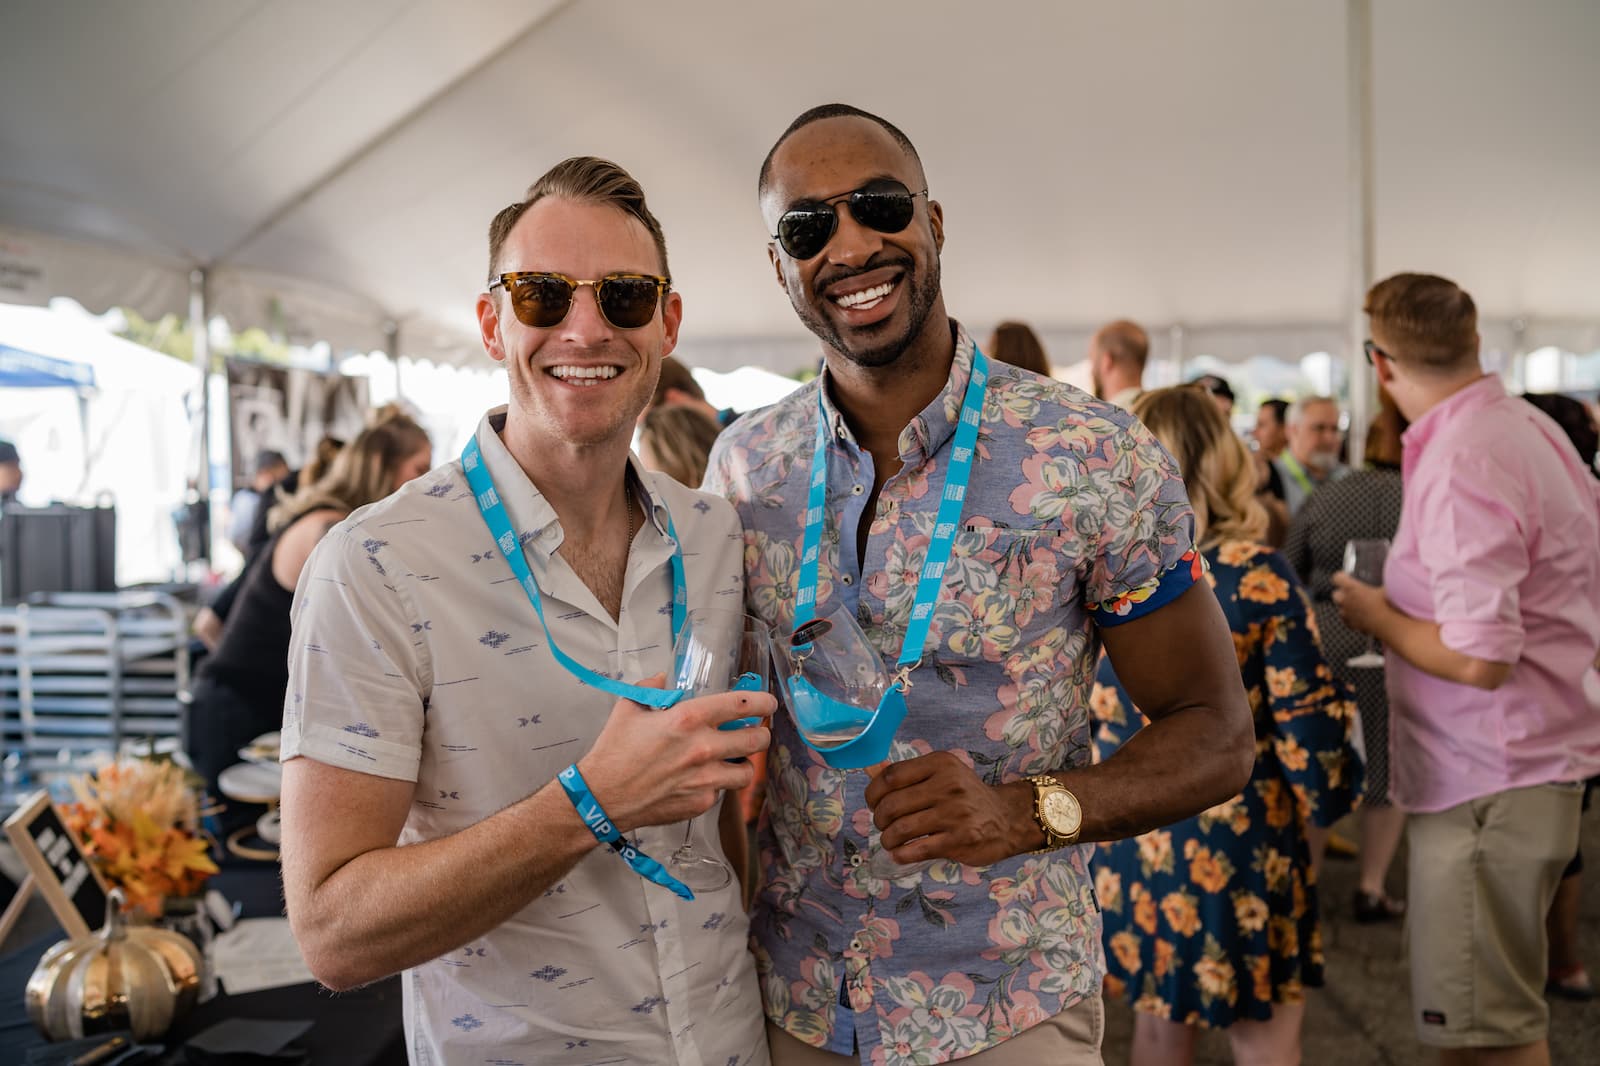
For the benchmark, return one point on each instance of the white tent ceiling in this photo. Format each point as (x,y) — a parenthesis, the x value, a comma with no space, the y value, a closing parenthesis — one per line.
(1183,164)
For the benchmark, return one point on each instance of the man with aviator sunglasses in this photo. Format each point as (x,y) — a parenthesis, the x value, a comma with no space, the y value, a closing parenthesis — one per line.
(479,772)
(1074,533)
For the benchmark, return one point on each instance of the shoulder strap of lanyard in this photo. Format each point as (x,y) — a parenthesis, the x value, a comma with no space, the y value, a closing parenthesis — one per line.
(499,523)
(957,474)
(1298,472)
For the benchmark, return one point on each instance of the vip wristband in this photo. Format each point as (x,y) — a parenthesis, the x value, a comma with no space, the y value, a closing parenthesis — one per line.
(600,824)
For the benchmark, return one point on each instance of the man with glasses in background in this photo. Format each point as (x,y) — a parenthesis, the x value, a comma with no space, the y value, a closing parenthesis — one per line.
(1489,614)
(1075,532)
(465,728)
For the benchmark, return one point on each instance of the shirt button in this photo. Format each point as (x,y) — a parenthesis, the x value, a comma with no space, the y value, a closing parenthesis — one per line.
(856,490)
(848,580)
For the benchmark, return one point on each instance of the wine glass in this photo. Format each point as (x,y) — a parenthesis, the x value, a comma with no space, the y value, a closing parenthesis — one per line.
(718,650)
(1363,560)
(833,684)
(833,680)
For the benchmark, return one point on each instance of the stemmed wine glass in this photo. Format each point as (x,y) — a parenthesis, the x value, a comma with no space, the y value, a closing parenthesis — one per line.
(1363,560)
(718,650)
(833,682)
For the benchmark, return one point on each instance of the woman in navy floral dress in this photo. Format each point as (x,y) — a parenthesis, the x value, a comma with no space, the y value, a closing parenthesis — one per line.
(1212,922)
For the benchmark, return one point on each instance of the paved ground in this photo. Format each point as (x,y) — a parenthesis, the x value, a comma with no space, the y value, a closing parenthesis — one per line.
(1361,1017)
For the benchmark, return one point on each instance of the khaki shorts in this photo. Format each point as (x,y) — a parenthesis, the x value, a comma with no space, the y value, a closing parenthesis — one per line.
(1482,876)
(1071,1038)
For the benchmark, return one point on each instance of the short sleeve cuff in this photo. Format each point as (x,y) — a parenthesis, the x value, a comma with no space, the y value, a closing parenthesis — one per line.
(1152,595)
(351,751)
(1492,641)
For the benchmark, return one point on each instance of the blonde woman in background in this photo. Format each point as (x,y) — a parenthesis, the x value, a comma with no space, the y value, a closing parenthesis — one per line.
(238,693)
(1212,922)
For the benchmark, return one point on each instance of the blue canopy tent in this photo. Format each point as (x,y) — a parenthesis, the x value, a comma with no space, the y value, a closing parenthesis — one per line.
(20,369)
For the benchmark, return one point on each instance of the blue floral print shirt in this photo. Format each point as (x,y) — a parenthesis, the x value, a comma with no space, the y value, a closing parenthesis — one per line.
(1075,518)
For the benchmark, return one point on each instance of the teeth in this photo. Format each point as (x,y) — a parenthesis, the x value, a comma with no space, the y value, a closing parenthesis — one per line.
(866,297)
(586,375)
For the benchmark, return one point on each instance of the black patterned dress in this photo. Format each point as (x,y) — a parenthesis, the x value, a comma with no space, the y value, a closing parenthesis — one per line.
(1214,919)
(1363,506)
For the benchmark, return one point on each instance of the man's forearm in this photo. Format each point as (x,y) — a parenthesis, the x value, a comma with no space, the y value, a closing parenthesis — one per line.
(1418,642)
(396,907)
(1173,768)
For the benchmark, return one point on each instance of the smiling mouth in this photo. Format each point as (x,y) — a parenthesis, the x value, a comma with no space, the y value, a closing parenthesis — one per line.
(583,376)
(866,298)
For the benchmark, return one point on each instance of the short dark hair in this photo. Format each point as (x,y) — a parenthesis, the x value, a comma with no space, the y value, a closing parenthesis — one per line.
(1215,385)
(587,179)
(1279,409)
(267,459)
(1430,319)
(674,375)
(817,114)
(1575,421)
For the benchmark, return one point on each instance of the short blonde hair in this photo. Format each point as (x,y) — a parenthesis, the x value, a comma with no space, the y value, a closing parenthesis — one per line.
(1216,467)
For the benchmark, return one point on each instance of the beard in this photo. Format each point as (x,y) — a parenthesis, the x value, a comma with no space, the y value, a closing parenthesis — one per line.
(1323,461)
(879,344)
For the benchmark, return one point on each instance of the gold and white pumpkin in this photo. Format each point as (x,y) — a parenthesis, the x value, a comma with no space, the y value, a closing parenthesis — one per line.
(123,977)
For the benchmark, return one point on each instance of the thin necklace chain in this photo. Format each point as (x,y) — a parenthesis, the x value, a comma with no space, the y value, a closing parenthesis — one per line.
(627,500)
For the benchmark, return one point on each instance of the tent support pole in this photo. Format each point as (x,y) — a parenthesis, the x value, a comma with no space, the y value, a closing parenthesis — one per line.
(391,345)
(1175,333)
(1359,377)
(199,317)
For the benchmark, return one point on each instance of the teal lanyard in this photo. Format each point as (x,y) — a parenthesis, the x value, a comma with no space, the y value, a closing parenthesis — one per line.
(499,523)
(958,473)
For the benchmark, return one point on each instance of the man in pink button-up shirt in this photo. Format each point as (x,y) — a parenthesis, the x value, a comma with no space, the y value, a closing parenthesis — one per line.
(1490,615)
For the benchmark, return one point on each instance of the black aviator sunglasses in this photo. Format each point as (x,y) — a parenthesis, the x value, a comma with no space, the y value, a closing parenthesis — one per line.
(1371,348)
(884,205)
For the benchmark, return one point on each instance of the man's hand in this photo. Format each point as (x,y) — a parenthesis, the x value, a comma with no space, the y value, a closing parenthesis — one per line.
(651,767)
(1362,606)
(936,807)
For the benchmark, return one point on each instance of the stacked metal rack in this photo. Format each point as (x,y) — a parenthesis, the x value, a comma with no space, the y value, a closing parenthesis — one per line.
(82,672)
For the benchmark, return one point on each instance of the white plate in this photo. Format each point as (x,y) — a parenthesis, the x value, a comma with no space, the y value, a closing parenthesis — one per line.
(251,782)
(263,749)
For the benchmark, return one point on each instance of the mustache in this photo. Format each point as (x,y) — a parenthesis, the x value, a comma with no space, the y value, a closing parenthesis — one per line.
(877,262)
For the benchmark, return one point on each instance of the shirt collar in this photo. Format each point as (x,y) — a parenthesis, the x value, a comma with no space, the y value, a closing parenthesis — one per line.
(1480,394)
(925,434)
(532,515)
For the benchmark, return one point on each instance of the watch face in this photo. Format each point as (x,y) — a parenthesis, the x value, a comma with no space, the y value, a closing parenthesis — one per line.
(1062,813)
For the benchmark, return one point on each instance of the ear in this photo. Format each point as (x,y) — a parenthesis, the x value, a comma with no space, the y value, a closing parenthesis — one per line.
(1385,371)
(777,264)
(671,319)
(489,327)
(936,223)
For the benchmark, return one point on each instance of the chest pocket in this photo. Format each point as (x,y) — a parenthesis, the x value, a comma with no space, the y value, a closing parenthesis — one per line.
(1004,589)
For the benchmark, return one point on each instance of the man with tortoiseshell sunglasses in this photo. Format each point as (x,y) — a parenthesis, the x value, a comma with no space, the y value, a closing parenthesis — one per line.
(471,728)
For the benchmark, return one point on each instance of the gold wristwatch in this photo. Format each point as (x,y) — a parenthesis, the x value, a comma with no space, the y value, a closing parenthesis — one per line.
(1057,811)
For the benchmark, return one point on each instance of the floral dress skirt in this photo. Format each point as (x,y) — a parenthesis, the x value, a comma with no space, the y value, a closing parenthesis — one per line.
(1214,919)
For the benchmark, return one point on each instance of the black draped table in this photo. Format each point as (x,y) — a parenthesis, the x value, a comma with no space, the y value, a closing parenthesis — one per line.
(360,1028)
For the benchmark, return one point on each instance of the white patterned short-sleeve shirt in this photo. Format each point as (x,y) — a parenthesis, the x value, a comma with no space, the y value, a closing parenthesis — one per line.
(416,656)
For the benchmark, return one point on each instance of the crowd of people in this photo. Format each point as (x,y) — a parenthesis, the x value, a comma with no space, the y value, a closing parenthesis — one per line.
(1130,724)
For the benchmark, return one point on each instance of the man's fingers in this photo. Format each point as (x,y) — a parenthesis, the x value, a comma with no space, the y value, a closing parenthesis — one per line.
(908,827)
(902,802)
(730,707)
(898,775)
